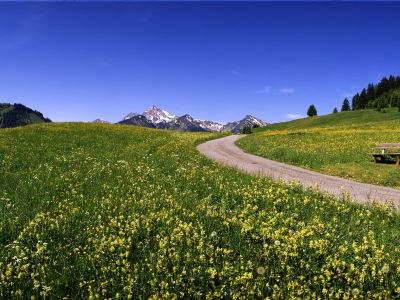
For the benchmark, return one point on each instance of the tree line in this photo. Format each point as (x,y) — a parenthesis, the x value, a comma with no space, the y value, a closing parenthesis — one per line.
(384,94)
(377,96)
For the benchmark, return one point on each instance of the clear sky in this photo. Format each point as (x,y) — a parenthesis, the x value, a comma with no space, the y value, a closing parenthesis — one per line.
(217,61)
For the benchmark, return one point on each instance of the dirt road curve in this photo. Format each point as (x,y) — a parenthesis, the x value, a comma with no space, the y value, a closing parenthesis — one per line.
(225,151)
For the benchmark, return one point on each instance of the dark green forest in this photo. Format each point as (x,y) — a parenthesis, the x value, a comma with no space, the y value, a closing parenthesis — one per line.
(384,94)
(14,115)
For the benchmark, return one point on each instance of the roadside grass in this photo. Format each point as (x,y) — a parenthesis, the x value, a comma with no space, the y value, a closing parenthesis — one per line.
(338,144)
(107,211)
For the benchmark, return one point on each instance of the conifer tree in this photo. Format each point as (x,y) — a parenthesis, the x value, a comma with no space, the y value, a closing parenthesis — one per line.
(383,87)
(335,111)
(391,82)
(356,101)
(312,111)
(345,105)
(371,92)
(363,100)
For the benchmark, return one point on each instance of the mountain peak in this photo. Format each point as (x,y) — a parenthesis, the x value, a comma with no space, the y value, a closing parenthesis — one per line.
(187,117)
(102,121)
(130,115)
(248,120)
(254,120)
(157,115)
(153,107)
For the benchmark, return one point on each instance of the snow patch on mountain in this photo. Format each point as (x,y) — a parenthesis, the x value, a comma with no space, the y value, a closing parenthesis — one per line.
(157,115)
(101,121)
(130,115)
(210,125)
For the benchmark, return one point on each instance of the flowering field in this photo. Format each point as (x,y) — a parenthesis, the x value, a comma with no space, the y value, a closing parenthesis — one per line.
(337,144)
(107,211)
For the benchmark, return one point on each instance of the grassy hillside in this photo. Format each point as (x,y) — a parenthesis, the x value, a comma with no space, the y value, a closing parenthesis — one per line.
(337,144)
(109,211)
(14,115)
(350,119)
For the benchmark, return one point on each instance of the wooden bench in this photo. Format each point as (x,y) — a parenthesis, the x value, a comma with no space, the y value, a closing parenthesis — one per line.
(380,157)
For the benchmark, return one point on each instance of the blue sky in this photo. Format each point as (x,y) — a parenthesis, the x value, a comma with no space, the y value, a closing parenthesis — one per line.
(217,61)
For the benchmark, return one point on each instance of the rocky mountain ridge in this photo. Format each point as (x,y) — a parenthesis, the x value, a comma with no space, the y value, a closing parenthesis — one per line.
(155,117)
(101,121)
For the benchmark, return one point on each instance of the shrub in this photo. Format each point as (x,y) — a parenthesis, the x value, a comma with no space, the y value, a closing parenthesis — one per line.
(246,130)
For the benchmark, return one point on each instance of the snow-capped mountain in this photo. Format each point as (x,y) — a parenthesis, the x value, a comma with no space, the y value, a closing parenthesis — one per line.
(237,126)
(210,125)
(130,115)
(101,121)
(155,117)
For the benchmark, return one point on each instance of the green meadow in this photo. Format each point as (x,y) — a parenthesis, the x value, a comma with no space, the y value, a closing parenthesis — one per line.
(119,212)
(337,144)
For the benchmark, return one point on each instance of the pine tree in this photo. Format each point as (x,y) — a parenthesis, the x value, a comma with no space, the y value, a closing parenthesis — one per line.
(356,102)
(371,92)
(312,111)
(391,82)
(345,105)
(383,87)
(363,100)
(335,111)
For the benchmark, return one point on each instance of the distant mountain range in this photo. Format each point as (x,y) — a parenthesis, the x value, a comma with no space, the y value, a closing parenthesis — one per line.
(14,115)
(155,117)
(101,121)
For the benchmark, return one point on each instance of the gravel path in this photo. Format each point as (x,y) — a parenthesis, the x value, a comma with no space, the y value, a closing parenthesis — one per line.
(225,151)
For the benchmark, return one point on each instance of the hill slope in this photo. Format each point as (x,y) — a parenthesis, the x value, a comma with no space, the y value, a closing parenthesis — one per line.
(337,144)
(14,115)
(349,119)
(105,211)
